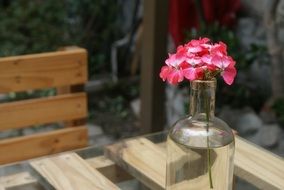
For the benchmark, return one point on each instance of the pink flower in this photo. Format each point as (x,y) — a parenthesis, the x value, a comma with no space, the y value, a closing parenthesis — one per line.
(196,43)
(229,73)
(175,76)
(197,46)
(207,59)
(192,60)
(171,74)
(227,65)
(192,73)
(220,49)
(165,70)
(174,60)
(221,62)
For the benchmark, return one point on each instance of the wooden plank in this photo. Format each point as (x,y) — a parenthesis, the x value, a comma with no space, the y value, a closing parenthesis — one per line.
(104,165)
(147,162)
(155,30)
(141,158)
(100,162)
(70,171)
(22,148)
(17,180)
(259,167)
(69,90)
(43,70)
(109,169)
(43,110)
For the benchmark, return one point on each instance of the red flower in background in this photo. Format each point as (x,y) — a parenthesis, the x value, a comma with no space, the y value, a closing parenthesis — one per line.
(184,16)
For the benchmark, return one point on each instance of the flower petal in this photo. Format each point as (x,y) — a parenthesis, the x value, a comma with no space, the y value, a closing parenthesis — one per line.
(175,60)
(207,59)
(220,48)
(192,73)
(165,71)
(194,61)
(221,61)
(229,74)
(175,76)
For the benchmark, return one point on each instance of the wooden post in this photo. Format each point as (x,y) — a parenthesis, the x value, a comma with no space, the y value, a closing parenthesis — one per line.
(155,30)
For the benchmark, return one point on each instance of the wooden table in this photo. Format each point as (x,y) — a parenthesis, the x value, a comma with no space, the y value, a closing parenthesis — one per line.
(141,158)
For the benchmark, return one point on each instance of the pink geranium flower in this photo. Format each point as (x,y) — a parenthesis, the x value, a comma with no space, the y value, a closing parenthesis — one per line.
(173,60)
(219,48)
(199,59)
(175,76)
(229,73)
(221,61)
(192,73)
(171,74)
(197,46)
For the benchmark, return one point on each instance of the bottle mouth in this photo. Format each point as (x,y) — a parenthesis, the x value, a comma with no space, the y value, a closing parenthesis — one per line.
(198,84)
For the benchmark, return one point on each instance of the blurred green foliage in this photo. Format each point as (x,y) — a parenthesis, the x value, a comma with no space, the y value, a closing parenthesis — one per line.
(115,99)
(33,26)
(243,92)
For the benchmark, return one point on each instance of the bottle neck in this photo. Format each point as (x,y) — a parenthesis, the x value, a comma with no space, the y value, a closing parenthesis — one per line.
(202,99)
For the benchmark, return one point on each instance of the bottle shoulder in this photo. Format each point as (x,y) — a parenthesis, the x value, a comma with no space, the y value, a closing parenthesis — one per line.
(198,132)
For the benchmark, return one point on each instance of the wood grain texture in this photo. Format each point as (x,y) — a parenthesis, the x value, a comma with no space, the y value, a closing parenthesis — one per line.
(70,171)
(109,169)
(26,147)
(147,162)
(259,167)
(43,70)
(68,90)
(141,158)
(104,165)
(43,110)
(17,180)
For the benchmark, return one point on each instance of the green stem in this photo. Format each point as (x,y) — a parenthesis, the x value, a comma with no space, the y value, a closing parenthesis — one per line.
(208,149)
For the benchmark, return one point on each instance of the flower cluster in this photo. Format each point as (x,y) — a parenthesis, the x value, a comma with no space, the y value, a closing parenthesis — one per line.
(199,60)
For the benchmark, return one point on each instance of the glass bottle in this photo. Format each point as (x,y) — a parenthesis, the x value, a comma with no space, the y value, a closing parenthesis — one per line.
(200,147)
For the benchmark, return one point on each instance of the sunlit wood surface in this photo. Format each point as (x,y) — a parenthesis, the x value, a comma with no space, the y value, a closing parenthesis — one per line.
(139,158)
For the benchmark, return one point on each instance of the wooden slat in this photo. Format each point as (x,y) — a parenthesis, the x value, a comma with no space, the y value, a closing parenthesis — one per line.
(68,90)
(109,169)
(43,110)
(258,166)
(143,159)
(147,162)
(22,148)
(104,165)
(69,171)
(17,180)
(43,70)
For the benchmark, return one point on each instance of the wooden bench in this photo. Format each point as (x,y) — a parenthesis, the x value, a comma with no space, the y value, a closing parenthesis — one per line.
(64,70)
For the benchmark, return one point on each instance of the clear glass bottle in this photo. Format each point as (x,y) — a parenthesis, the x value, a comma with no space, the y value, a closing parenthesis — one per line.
(200,147)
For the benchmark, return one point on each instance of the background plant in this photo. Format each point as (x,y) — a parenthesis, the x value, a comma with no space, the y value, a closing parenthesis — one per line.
(39,26)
